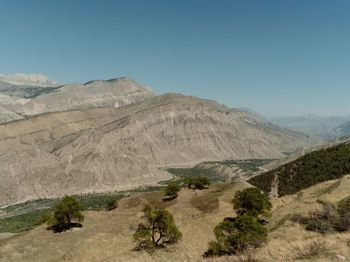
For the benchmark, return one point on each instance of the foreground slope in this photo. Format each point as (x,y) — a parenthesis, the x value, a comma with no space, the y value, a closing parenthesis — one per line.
(109,149)
(107,236)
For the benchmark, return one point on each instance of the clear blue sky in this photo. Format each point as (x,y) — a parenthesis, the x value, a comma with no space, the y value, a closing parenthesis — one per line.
(276,57)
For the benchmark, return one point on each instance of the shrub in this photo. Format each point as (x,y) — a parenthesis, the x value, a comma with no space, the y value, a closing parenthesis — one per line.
(112,204)
(331,218)
(172,190)
(319,225)
(344,213)
(67,210)
(251,201)
(158,230)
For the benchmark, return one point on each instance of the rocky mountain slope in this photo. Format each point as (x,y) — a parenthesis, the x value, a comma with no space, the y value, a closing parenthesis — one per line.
(32,95)
(107,149)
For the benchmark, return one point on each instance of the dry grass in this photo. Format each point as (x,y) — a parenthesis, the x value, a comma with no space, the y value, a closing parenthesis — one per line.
(107,236)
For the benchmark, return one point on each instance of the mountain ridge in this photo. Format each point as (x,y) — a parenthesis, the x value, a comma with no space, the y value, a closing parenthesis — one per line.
(108,149)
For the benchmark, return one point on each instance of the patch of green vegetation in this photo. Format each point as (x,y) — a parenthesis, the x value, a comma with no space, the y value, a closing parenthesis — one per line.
(97,201)
(315,167)
(23,222)
(19,206)
(196,171)
(202,170)
(247,165)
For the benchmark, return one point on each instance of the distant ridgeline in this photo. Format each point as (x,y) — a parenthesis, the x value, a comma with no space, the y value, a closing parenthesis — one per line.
(310,169)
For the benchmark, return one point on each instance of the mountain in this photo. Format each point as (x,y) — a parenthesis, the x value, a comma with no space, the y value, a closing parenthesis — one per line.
(343,130)
(35,80)
(318,127)
(108,149)
(32,95)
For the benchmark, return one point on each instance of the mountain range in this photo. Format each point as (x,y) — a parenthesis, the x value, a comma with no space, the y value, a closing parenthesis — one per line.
(121,136)
(318,127)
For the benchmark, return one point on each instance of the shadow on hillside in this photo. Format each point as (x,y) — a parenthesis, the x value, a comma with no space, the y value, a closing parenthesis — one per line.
(60,229)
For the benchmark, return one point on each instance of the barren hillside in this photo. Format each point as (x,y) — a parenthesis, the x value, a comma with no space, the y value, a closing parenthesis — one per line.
(109,149)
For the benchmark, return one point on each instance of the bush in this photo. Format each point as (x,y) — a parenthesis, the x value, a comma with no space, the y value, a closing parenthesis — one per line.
(112,204)
(331,218)
(67,210)
(172,189)
(158,230)
(251,201)
(319,225)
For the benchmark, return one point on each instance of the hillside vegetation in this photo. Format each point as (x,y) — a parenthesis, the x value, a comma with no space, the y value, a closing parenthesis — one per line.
(310,169)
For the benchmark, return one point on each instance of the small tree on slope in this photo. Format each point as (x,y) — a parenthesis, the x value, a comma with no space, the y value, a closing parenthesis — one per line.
(158,230)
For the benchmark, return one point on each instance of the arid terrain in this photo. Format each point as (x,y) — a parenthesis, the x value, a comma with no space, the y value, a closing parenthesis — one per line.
(107,236)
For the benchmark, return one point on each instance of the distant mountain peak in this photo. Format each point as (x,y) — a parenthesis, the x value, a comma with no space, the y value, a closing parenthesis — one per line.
(28,79)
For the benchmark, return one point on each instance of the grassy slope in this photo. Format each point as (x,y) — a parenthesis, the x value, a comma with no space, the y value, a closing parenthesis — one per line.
(107,236)
(313,168)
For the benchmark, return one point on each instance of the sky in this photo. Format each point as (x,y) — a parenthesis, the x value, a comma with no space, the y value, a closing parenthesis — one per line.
(275,57)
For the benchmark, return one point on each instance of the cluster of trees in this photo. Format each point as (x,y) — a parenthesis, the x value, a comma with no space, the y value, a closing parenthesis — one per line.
(173,188)
(200,182)
(315,167)
(331,218)
(247,229)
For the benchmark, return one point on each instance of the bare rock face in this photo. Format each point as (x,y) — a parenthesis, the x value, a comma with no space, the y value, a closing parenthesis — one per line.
(106,149)
(29,95)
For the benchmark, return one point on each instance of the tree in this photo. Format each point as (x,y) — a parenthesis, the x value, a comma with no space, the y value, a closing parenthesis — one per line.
(171,190)
(233,237)
(112,204)
(158,230)
(67,210)
(251,201)
(200,182)
(188,182)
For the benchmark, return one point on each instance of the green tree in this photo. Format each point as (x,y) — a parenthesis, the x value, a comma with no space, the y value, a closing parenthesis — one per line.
(188,182)
(67,210)
(251,201)
(201,182)
(112,204)
(235,236)
(158,230)
(172,190)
